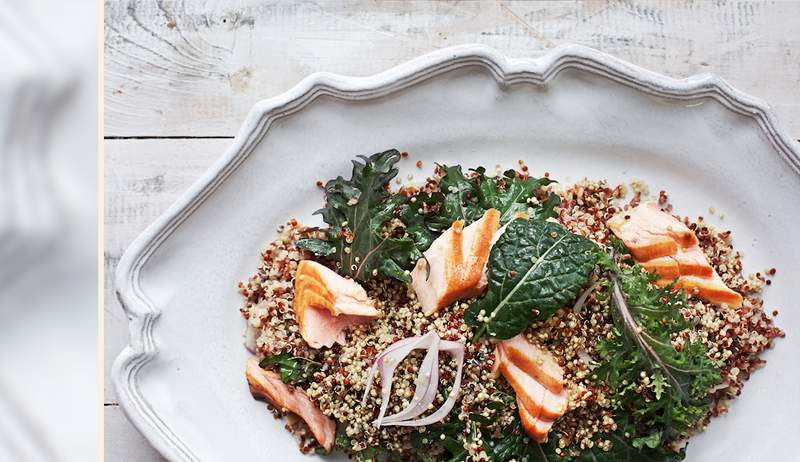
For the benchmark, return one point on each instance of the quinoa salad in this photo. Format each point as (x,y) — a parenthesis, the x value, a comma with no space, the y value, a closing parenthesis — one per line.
(499,316)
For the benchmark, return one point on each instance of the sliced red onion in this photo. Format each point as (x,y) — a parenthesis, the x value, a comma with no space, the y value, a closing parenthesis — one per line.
(457,350)
(390,362)
(426,383)
(379,362)
(578,307)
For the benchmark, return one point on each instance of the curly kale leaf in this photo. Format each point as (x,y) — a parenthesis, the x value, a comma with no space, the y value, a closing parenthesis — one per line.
(510,195)
(451,438)
(645,318)
(448,436)
(467,198)
(534,268)
(624,450)
(516,445)
(459,200)
(359,240)
(293,369)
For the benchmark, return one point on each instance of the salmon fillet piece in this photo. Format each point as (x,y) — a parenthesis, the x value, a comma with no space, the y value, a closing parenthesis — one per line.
(712,289)
(539,406)
(539,401)
(538,363)
(650,233)
(665,267)
(536,428)
(686,262)
(693,262)
(647,224)
(267,385)
(325,304)
(529,392)
(457,261)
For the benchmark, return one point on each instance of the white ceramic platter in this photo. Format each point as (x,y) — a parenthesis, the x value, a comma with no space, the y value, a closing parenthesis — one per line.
(574,112)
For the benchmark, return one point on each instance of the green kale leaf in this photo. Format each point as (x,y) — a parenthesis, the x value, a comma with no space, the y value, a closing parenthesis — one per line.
(468,197)
(534,268)
(646,317)
(624,450)
(293,369)
(516,445)
(459,201)
(510,195)
(360,241)
(447,435)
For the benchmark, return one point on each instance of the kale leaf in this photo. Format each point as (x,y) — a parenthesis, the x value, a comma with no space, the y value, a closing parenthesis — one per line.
(447,435)
(459,201)
(624,450)
(293,369)
(359,240)
(467,198)
(646,317)
(372,232)
(534,268)
(516,445)
(510,194)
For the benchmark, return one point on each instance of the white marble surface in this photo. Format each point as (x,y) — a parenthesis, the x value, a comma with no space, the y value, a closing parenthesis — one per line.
(180,76)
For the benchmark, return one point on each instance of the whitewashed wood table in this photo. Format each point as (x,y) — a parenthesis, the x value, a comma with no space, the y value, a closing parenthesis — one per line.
(181,75)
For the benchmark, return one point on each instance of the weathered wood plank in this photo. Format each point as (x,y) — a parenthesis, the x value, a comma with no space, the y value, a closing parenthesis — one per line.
(195,68)
(142,179)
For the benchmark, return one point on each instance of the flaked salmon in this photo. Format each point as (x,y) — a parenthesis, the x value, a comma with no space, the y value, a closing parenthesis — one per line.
(539,401)
(454,265)
(325,304)
(267,385)
(535,427)
(540,365)
(685,262)
(538,382)
(645,229)
(712,289)
(650,233)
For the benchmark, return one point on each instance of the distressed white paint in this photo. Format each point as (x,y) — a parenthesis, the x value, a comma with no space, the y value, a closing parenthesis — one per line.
(195,68)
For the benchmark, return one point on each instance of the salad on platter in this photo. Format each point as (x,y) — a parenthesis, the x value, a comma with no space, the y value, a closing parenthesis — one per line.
(491,315)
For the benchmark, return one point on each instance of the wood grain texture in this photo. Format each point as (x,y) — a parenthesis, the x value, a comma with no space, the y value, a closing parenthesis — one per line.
(196,68)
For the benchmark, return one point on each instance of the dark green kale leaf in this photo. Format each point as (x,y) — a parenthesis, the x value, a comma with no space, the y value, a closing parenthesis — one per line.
(516,445)
(645,319)
(459,200)
(534,268)
(359,241)
(448,436)
(467,198)
(293,369)
(623,450)
(376,454)
(510,194)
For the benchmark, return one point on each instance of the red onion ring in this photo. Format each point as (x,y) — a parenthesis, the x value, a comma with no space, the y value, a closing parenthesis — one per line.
(457,350)
(426,383)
